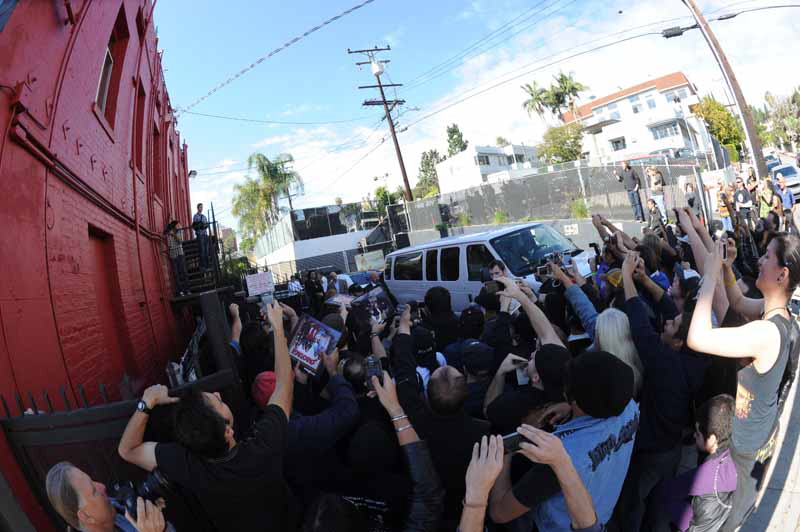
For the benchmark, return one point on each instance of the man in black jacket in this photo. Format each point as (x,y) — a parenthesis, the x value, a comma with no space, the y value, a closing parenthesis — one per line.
(442,422)
(632,183)
(672,376)
(440,318)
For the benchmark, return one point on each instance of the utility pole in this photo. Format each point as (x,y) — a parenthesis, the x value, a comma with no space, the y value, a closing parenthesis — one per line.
(377,70)
(753,142)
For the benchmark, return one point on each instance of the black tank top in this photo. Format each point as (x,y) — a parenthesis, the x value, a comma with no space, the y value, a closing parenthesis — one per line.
(757,397)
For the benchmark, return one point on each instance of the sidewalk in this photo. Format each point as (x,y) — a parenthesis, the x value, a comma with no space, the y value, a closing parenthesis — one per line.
(779,509)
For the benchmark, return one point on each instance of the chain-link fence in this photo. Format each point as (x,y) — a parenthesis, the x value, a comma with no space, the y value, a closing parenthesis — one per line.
(569,191)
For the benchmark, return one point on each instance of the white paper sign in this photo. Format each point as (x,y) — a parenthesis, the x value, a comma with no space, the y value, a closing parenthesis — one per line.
(260,283)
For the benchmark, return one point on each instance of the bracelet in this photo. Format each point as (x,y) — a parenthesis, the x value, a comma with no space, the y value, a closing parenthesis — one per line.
(465,504)
(398,418)
(401,429)
(730,284)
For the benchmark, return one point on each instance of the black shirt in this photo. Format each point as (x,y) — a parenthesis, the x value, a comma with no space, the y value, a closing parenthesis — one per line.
(742,196)
(630,179)
(245,490)
(507,411)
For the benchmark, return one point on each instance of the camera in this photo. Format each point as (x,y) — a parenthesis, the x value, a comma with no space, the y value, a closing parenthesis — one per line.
(155,486)
(492,287)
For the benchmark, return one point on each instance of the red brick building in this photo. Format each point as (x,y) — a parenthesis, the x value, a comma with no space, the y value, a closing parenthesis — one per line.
(91,169)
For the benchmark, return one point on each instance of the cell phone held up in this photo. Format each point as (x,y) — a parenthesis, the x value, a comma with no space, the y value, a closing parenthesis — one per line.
(511,442)
(374,369)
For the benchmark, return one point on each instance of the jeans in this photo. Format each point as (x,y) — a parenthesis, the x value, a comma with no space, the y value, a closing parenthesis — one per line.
(179,267)
(636,204)
(202,241)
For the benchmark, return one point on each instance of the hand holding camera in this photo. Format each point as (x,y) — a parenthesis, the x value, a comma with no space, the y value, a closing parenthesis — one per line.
(148,517)
(510,289)
(387,394)
(156,395)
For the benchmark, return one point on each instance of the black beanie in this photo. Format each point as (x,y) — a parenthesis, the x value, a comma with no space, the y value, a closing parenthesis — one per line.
(600,383)
(550,361)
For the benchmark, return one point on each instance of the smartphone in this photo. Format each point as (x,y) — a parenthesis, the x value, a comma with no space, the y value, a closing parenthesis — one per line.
(725,251)
(511,442)
(414,311)
(492,287)
(374,369)
(566,262)
(543,271)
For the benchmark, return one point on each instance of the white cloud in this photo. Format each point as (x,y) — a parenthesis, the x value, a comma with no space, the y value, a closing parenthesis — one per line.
(760,47)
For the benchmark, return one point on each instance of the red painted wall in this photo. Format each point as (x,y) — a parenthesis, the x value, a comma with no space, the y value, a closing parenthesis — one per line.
(67,170)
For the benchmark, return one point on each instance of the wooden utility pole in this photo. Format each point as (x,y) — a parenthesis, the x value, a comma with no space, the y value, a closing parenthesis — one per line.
(753,142)
(377,70)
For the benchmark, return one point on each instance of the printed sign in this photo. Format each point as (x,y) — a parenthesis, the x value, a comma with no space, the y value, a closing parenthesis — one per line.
(260,283)
(372,260)
(570,229)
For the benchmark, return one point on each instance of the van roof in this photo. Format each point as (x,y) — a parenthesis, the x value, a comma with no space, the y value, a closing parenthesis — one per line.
(483,236)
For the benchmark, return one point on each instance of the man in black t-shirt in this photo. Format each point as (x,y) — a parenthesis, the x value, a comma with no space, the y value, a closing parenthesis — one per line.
(239,485)
(744,202)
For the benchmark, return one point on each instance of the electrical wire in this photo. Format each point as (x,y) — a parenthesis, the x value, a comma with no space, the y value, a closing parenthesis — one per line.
(257,121)
(489,36)
(498,43)
(261,59)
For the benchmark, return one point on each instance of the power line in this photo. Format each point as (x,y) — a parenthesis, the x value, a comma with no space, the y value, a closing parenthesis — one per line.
(261,59)
(486,37)
(257,121)
(359,161)
(456,65)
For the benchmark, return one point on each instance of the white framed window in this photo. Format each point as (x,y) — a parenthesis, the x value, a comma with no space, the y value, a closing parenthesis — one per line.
(651,103)
(105,81)
(682,93)
(669,96)
(483,160)
(615,115)
(662,132)
(634,98)
(618,144)
(636,107)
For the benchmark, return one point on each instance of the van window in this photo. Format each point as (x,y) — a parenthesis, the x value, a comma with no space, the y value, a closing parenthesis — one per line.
(387,272)
(449,264)
(430,265)
(478,257)
(408,267)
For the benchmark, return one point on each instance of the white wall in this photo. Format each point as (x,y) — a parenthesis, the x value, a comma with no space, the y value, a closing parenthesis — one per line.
(303,249)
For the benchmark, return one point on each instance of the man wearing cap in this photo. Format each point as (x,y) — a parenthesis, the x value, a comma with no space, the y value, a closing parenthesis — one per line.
(599,438)
(478,363)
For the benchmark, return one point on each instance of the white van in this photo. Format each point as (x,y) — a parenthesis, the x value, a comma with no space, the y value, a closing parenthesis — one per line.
(456,262)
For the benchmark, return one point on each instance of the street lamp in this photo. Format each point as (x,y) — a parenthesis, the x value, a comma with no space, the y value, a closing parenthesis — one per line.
(192,174)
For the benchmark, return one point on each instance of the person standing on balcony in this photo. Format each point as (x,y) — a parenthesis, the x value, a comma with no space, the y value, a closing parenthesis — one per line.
(200,226)
(175,248)
(632,183)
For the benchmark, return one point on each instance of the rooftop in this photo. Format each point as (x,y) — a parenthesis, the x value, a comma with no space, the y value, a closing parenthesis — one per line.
(676,79)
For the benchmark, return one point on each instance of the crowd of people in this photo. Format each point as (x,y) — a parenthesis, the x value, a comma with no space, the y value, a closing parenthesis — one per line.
(576,411)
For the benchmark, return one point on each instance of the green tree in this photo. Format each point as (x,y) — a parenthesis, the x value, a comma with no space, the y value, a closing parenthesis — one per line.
(539,99)
(501,142)
(384,198)
(784,121)
(565,92)
(256,200)
(561,144)
(455,140)
(250,205)
(427,178)
(721,122)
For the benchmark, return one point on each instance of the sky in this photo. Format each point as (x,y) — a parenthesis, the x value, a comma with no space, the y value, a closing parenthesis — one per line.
(343,149)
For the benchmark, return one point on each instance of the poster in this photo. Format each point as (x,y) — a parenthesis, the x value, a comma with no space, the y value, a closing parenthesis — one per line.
(377,303)
(260,283)
(311,340)
(372,260)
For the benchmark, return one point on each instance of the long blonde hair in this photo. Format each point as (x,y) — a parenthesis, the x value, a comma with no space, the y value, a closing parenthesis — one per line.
(613,334)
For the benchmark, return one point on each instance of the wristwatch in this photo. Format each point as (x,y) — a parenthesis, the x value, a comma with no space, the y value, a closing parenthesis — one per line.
(141,406)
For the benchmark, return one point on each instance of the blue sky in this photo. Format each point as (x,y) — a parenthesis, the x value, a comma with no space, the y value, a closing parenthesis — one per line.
(315,80)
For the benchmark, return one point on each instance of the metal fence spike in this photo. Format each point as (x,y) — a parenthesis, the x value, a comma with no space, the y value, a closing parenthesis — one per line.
(33,403)
(82,394)
(103,393)
(47,400)
(5,406)
(65,398)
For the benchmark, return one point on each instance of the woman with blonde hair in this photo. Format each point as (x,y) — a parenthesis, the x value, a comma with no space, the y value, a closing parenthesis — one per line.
(613,334)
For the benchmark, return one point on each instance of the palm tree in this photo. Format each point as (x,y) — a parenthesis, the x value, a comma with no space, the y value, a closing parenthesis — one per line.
(538,99)
(566,91)
(276,180)
(250,205)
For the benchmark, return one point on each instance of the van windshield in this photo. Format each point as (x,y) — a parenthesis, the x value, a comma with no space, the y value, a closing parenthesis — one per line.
(524,249)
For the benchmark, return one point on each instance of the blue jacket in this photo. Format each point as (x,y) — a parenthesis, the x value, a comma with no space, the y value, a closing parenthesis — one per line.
(583,308)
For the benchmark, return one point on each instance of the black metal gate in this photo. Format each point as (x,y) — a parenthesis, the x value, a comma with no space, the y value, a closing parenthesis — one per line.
(88,437)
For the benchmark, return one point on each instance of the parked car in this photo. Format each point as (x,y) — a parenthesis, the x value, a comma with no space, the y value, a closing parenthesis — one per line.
(772,158)
(457,263)
(792,177)
(772,165)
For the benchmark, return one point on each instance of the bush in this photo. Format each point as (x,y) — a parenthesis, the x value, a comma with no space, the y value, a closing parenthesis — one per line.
(463,219)
(500,217)
(578,209)
(733,153)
